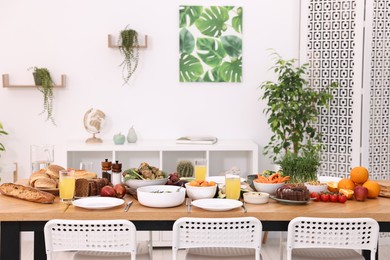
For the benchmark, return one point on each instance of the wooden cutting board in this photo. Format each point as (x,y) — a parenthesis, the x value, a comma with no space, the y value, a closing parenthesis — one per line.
(385,188)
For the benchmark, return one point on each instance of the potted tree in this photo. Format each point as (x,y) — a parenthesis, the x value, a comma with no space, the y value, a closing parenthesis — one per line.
(292,109)
(45,84)
(128,44)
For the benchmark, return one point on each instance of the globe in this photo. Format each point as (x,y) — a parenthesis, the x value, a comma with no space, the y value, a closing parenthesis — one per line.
(93,122)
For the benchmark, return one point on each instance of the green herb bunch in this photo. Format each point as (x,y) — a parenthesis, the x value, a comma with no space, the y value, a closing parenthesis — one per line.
(300,168)
(129,48)
(45,84)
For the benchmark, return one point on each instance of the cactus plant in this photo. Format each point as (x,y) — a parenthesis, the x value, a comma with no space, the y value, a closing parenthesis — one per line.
(185,168)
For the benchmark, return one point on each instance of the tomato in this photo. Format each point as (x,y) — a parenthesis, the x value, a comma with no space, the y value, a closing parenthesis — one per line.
(334,197)
(314,195)
(324,197)
(342,198)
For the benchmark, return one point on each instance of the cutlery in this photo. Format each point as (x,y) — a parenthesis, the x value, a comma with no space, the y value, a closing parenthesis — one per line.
(243,207)
(128,204)
(188,204)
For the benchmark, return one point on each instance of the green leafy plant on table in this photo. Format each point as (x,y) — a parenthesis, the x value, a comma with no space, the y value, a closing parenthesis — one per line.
(293,108)
(45,84)
(129,47)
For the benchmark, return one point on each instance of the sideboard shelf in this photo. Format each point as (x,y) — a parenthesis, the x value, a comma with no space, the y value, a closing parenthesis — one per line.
(6,83)
(165,154)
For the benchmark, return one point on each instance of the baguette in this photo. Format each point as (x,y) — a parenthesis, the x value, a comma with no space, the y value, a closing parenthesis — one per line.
(26,193)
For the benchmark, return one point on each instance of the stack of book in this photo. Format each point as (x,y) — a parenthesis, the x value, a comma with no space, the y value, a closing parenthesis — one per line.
(196,140)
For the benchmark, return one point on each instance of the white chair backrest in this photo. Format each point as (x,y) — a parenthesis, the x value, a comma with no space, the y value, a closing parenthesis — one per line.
(90,235)
(345,233)
(242,232)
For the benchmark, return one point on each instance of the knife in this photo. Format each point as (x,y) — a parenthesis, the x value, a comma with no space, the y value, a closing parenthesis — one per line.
(128,204)
(188,204)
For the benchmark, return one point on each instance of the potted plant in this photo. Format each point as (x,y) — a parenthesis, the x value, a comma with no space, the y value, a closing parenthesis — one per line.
(45,84)
(129,47)
(2,132)
(292,109)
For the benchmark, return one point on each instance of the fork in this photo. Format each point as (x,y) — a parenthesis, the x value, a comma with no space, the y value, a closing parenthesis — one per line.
(243,207)
(188,204)
(128,204)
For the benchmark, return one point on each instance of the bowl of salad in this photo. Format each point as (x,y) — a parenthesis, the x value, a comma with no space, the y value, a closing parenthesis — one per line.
(161,196)
(144,175)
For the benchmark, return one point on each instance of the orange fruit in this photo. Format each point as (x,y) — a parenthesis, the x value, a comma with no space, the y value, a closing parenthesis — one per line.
(212,183)
(194,183)
(332,186)
(347,192)
(204,184)
(359,174)
(373,189)
(346,184)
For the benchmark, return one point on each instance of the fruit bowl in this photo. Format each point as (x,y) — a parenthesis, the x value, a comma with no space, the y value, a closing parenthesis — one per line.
(196,193)
(161,196)
(269,188)
(134,184)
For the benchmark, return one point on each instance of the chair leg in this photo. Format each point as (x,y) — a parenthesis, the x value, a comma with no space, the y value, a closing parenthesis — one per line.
(150,245)
(281,245)
(265,236)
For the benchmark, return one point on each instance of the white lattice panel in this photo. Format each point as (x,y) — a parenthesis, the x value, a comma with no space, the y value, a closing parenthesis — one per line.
(330,34)
(377,89)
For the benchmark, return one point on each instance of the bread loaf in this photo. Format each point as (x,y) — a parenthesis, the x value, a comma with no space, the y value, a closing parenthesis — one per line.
(41,174)
(81,188)
(53,171)
(26,193)
(82,174)
(45,183)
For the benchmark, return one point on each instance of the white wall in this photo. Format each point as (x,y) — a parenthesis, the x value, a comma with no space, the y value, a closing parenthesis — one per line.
(70,37)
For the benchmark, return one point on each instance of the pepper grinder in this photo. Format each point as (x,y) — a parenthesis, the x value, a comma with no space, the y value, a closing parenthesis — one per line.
(106,170)
(116,176)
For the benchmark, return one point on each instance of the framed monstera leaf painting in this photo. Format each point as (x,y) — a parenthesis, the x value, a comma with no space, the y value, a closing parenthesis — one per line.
(210,44)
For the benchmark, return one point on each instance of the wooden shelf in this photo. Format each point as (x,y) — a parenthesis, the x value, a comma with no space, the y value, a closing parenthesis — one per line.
(7,85)
(110,45)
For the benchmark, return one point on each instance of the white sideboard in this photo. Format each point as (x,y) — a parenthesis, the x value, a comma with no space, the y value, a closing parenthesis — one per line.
(165,154)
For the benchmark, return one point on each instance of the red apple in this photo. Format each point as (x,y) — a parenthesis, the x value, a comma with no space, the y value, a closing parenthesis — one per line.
(360,193)
(120,190)
(107,191)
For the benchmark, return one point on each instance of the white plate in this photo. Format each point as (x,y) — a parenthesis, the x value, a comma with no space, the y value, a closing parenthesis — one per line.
(98,202)
(327,179)
(291,201)
(217,204)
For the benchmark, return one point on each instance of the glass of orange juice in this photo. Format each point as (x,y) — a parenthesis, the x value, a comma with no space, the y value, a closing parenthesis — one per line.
(67,185)
(232,185)
(200,169)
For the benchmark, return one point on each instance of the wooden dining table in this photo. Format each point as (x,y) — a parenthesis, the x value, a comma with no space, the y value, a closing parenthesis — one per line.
(17,215)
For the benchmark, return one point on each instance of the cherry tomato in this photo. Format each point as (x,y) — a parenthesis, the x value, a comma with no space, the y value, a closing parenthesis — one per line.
(324,197)
(314,195)
(342,198)
(334,197)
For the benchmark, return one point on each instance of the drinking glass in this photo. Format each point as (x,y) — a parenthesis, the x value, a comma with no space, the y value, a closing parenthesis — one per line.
(232,185)
(86,166)
(41,156)
(200,169)
(67,185)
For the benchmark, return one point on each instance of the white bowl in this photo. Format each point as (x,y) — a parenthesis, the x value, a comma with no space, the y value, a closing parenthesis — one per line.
(161,196)
(322,187)
(196,193)
(267,187)
(256,197)
(134,184)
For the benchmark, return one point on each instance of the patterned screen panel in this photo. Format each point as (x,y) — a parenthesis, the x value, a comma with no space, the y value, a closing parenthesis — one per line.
(379,92)
(329,50)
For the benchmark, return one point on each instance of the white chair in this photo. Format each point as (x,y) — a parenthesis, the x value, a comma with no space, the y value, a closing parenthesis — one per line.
(217,238)
(93,239)
(331,238)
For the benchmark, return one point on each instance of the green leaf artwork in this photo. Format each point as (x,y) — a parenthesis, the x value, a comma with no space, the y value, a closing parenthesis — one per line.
(210,43)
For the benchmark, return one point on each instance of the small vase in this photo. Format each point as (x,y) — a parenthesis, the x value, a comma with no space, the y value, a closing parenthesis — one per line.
(131,136)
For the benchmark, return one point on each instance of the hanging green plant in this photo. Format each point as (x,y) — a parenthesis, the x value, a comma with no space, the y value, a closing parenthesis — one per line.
(129,47)
(2,132)
(45,84)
